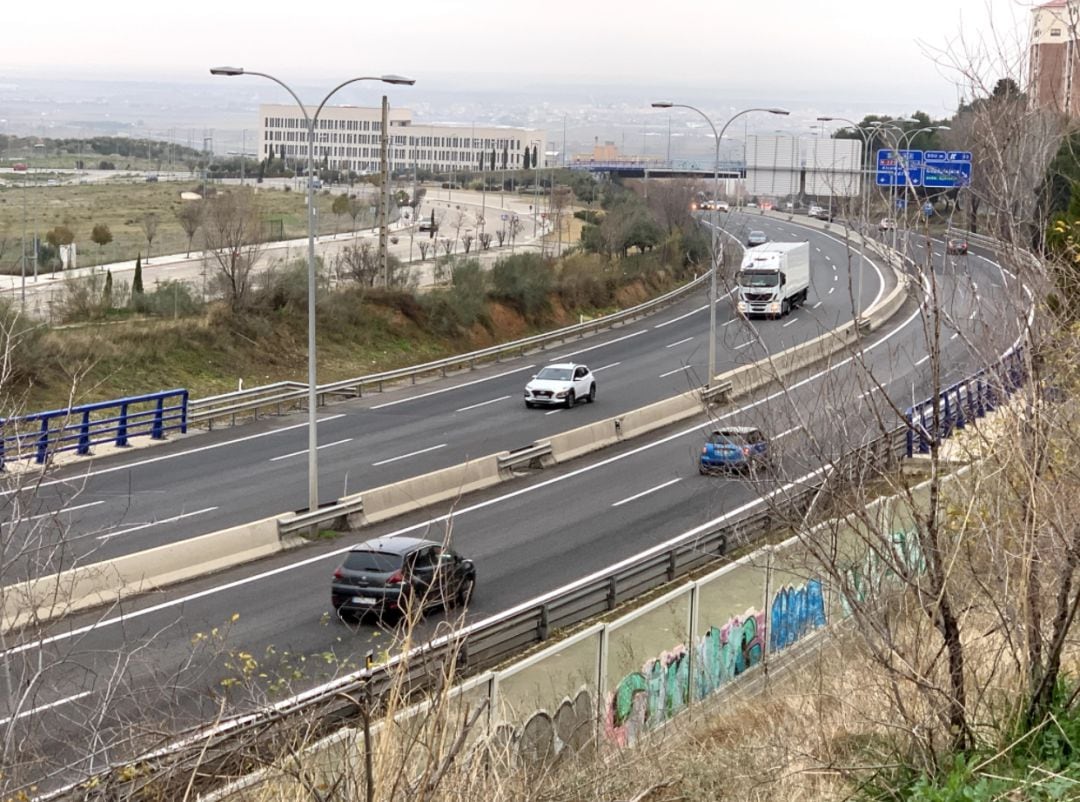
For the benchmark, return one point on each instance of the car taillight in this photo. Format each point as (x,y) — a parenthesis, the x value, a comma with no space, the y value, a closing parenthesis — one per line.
(338,574)
(395,578)
(704,449)
(746,451)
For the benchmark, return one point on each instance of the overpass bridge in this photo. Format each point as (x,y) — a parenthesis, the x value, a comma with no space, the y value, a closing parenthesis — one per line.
(659,169)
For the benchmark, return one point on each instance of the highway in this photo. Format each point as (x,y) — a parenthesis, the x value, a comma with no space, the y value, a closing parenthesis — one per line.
(206,482)
(157,660)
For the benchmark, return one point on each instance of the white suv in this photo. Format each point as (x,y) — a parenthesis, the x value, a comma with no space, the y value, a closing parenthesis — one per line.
(561,385)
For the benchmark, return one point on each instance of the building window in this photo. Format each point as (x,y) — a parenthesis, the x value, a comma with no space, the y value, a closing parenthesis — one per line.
(1055,31)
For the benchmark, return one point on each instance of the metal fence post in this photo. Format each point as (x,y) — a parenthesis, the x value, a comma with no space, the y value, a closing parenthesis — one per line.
(1,445)
(84,434)
(121,427)
(157,428)
(43,442)
(960,421)
(183,412)
(910,436)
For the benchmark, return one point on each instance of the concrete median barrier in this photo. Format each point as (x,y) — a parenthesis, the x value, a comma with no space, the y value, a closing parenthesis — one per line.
(110,581)
(412,494)
(663,413)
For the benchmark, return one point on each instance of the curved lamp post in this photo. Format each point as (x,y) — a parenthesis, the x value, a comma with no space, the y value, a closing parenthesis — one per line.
(313,436)
(717,251)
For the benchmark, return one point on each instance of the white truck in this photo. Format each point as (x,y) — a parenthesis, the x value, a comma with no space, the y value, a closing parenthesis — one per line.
(774,278)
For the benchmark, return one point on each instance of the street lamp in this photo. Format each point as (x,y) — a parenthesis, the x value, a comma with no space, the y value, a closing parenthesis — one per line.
(717,250)
(313,436)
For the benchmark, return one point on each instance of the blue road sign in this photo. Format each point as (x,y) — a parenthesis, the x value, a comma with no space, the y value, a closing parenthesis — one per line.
(898,168)
(946,169)
(901,203)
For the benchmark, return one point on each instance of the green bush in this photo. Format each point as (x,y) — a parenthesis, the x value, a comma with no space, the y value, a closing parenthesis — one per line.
(591,216)
(172,299)
(523,281)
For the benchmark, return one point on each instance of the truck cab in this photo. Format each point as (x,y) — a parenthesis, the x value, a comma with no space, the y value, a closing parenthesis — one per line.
(774,279)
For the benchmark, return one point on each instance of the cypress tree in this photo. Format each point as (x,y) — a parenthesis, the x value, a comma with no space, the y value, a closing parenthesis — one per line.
(136,282)
(106,295)
(525,160)
(535,161)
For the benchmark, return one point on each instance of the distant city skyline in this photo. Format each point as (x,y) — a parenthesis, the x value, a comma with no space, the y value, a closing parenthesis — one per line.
(854,49)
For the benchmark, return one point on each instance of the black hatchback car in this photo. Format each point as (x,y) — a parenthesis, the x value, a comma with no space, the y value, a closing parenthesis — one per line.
(388,574)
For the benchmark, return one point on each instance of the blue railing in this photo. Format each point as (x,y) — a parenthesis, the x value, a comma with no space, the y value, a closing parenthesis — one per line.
(966,400)
(78,428)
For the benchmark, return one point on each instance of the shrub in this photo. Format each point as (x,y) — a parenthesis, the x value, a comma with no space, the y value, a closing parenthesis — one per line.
(591,216)
(172,299)
(524,281)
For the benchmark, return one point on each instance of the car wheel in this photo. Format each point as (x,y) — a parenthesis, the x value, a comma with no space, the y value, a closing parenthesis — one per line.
(785,308)
(529,405)
(465,592)
(570,400)
(592,393)
(703,470)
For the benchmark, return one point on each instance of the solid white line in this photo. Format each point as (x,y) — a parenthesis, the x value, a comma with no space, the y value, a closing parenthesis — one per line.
(129,465)
(737,347)
(645,493)
(601,345)
(426,525)
(485,403)
(140,527)
(51,514)
(924,359)
(680,342)
(612,365)
(815,306)
(317,448)
(793,320)
(406,456)
(683,369)
(681,317)
(42,708)
(449,389)
(785,433)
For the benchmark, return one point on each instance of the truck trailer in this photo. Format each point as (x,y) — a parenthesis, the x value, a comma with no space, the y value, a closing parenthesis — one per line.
(774,278)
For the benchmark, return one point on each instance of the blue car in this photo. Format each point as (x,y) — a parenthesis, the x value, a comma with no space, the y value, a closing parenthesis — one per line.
(735,448)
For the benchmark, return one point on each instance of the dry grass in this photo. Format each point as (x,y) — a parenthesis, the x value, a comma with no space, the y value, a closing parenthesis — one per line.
(120,207)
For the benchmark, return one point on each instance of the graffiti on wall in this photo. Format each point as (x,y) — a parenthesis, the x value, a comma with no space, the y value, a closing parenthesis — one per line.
(645,699)
(795,612)
(546,737)
(867,578)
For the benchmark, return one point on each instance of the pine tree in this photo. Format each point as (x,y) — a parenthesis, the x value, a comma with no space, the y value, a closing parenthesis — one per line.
(493,158)
(535,161)
(106,295)
(525,160)
(136,282)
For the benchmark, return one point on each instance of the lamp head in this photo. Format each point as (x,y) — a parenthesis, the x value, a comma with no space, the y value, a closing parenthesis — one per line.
(397,80)
(226,70)
(826,119)
(784,112)
(662,104)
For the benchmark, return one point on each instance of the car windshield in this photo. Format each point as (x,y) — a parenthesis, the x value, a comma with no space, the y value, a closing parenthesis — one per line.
(757,235)
(729,438)
(554,374)
(376,562)
(757,278)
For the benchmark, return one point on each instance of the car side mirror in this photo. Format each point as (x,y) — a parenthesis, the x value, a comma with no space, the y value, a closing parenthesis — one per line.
(466,564)
(534,375)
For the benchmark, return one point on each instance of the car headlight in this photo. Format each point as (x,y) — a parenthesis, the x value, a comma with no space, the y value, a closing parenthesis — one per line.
(563,394)
(774,307)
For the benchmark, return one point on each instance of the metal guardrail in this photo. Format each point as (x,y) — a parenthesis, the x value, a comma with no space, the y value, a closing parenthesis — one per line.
(293,395)
(525,456)
(78,428)
(299,521)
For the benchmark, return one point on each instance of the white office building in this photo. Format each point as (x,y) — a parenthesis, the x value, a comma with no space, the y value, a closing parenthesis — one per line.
(348,138)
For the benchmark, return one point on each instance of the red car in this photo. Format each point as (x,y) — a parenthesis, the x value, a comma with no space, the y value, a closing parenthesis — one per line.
(956,246)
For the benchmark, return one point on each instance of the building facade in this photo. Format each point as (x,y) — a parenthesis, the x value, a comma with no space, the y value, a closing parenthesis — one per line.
(349,138)
(1054,77)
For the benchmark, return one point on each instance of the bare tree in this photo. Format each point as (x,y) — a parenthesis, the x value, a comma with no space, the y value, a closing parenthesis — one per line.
(466,242)
(190,215)
(361,262)
(669,201)
(233,238)
(149,224)
(423,245)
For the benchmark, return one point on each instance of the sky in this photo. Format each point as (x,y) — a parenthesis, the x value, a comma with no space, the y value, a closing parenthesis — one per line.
(766,50)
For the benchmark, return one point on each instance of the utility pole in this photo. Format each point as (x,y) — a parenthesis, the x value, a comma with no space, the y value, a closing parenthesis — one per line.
(384,166)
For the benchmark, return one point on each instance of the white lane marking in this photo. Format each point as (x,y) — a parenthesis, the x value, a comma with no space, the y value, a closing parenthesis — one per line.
(680,342)
(785,433)
(815,306)
(816,248)
(836,278)
(868,392)
(957,334)
(790,322)
(129,465)
(612,365)
(744,345)
(483,403)
(974,311)
(449,389)
(406,456)
(923,360)
(51,514)
(681,317)
(555,411)
(426,525)
(140,527)
(683,369)
(317,448)
(644,493)
(603,345)
(830,292)
(829,259)
(733,320)
(42,708)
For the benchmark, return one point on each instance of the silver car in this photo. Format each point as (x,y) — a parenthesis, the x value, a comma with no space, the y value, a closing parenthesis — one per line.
(563,384)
